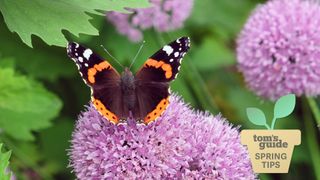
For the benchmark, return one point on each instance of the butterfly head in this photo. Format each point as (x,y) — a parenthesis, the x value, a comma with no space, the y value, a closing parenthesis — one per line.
(127,80)
(127,72)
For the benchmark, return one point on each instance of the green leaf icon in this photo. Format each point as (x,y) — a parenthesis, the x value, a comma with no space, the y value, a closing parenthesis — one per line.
(284,106)
(256,116)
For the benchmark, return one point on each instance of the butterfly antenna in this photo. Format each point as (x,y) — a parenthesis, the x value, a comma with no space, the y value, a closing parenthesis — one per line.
(135,57)
(111,56)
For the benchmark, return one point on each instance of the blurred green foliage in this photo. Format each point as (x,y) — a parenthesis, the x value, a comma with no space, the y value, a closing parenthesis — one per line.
(41,92)
(5,173)
(25,105)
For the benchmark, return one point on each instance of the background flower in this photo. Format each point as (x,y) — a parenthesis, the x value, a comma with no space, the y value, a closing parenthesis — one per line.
(181,144)
(164,15)
(278,49)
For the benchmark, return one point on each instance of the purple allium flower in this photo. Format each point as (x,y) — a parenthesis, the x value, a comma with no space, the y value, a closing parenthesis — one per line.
(164,15)
(279,49)
(182,144)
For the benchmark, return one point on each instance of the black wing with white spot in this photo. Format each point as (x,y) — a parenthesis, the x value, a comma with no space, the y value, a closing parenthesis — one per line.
(152,80)
(164,65)
(91,66)
(103,79)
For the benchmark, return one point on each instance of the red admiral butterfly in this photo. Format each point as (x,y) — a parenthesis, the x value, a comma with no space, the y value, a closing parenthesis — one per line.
(144,96)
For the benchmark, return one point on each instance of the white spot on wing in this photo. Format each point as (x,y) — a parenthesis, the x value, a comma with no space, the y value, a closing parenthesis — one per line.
(176,76)
(176,54)
(87,53)
(80,59)
(77,45)
(86,64)
(167,49)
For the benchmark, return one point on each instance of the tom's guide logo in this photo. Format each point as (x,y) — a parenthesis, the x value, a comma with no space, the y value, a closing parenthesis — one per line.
(271,150)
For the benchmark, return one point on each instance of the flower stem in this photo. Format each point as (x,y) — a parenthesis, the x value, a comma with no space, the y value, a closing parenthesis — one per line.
(273,122)
(315,109)
(313,146)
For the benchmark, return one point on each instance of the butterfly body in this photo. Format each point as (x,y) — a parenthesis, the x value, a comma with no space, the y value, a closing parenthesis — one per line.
(128,89)
(143,96)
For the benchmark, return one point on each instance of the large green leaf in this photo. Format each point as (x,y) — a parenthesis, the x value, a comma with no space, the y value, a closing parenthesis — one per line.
(47,18)
(25,105)
(4,163)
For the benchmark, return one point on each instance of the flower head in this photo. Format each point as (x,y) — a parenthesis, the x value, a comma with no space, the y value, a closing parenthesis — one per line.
(278,49)
(181,144)
(164,15)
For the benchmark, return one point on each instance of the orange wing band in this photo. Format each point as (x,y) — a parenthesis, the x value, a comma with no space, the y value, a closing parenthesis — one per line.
(95,69)
(104,111)
(160,64)
(161,107)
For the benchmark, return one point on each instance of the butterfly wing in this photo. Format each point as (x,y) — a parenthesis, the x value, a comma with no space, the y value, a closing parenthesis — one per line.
(103,80)
(152,80)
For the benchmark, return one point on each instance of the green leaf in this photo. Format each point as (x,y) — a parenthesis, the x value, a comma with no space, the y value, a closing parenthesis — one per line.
(47,18)
(256,116)
(284,106)
(25,105)
(4,163)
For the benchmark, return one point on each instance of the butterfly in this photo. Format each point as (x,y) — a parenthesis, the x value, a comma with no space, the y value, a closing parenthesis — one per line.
(143,96)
